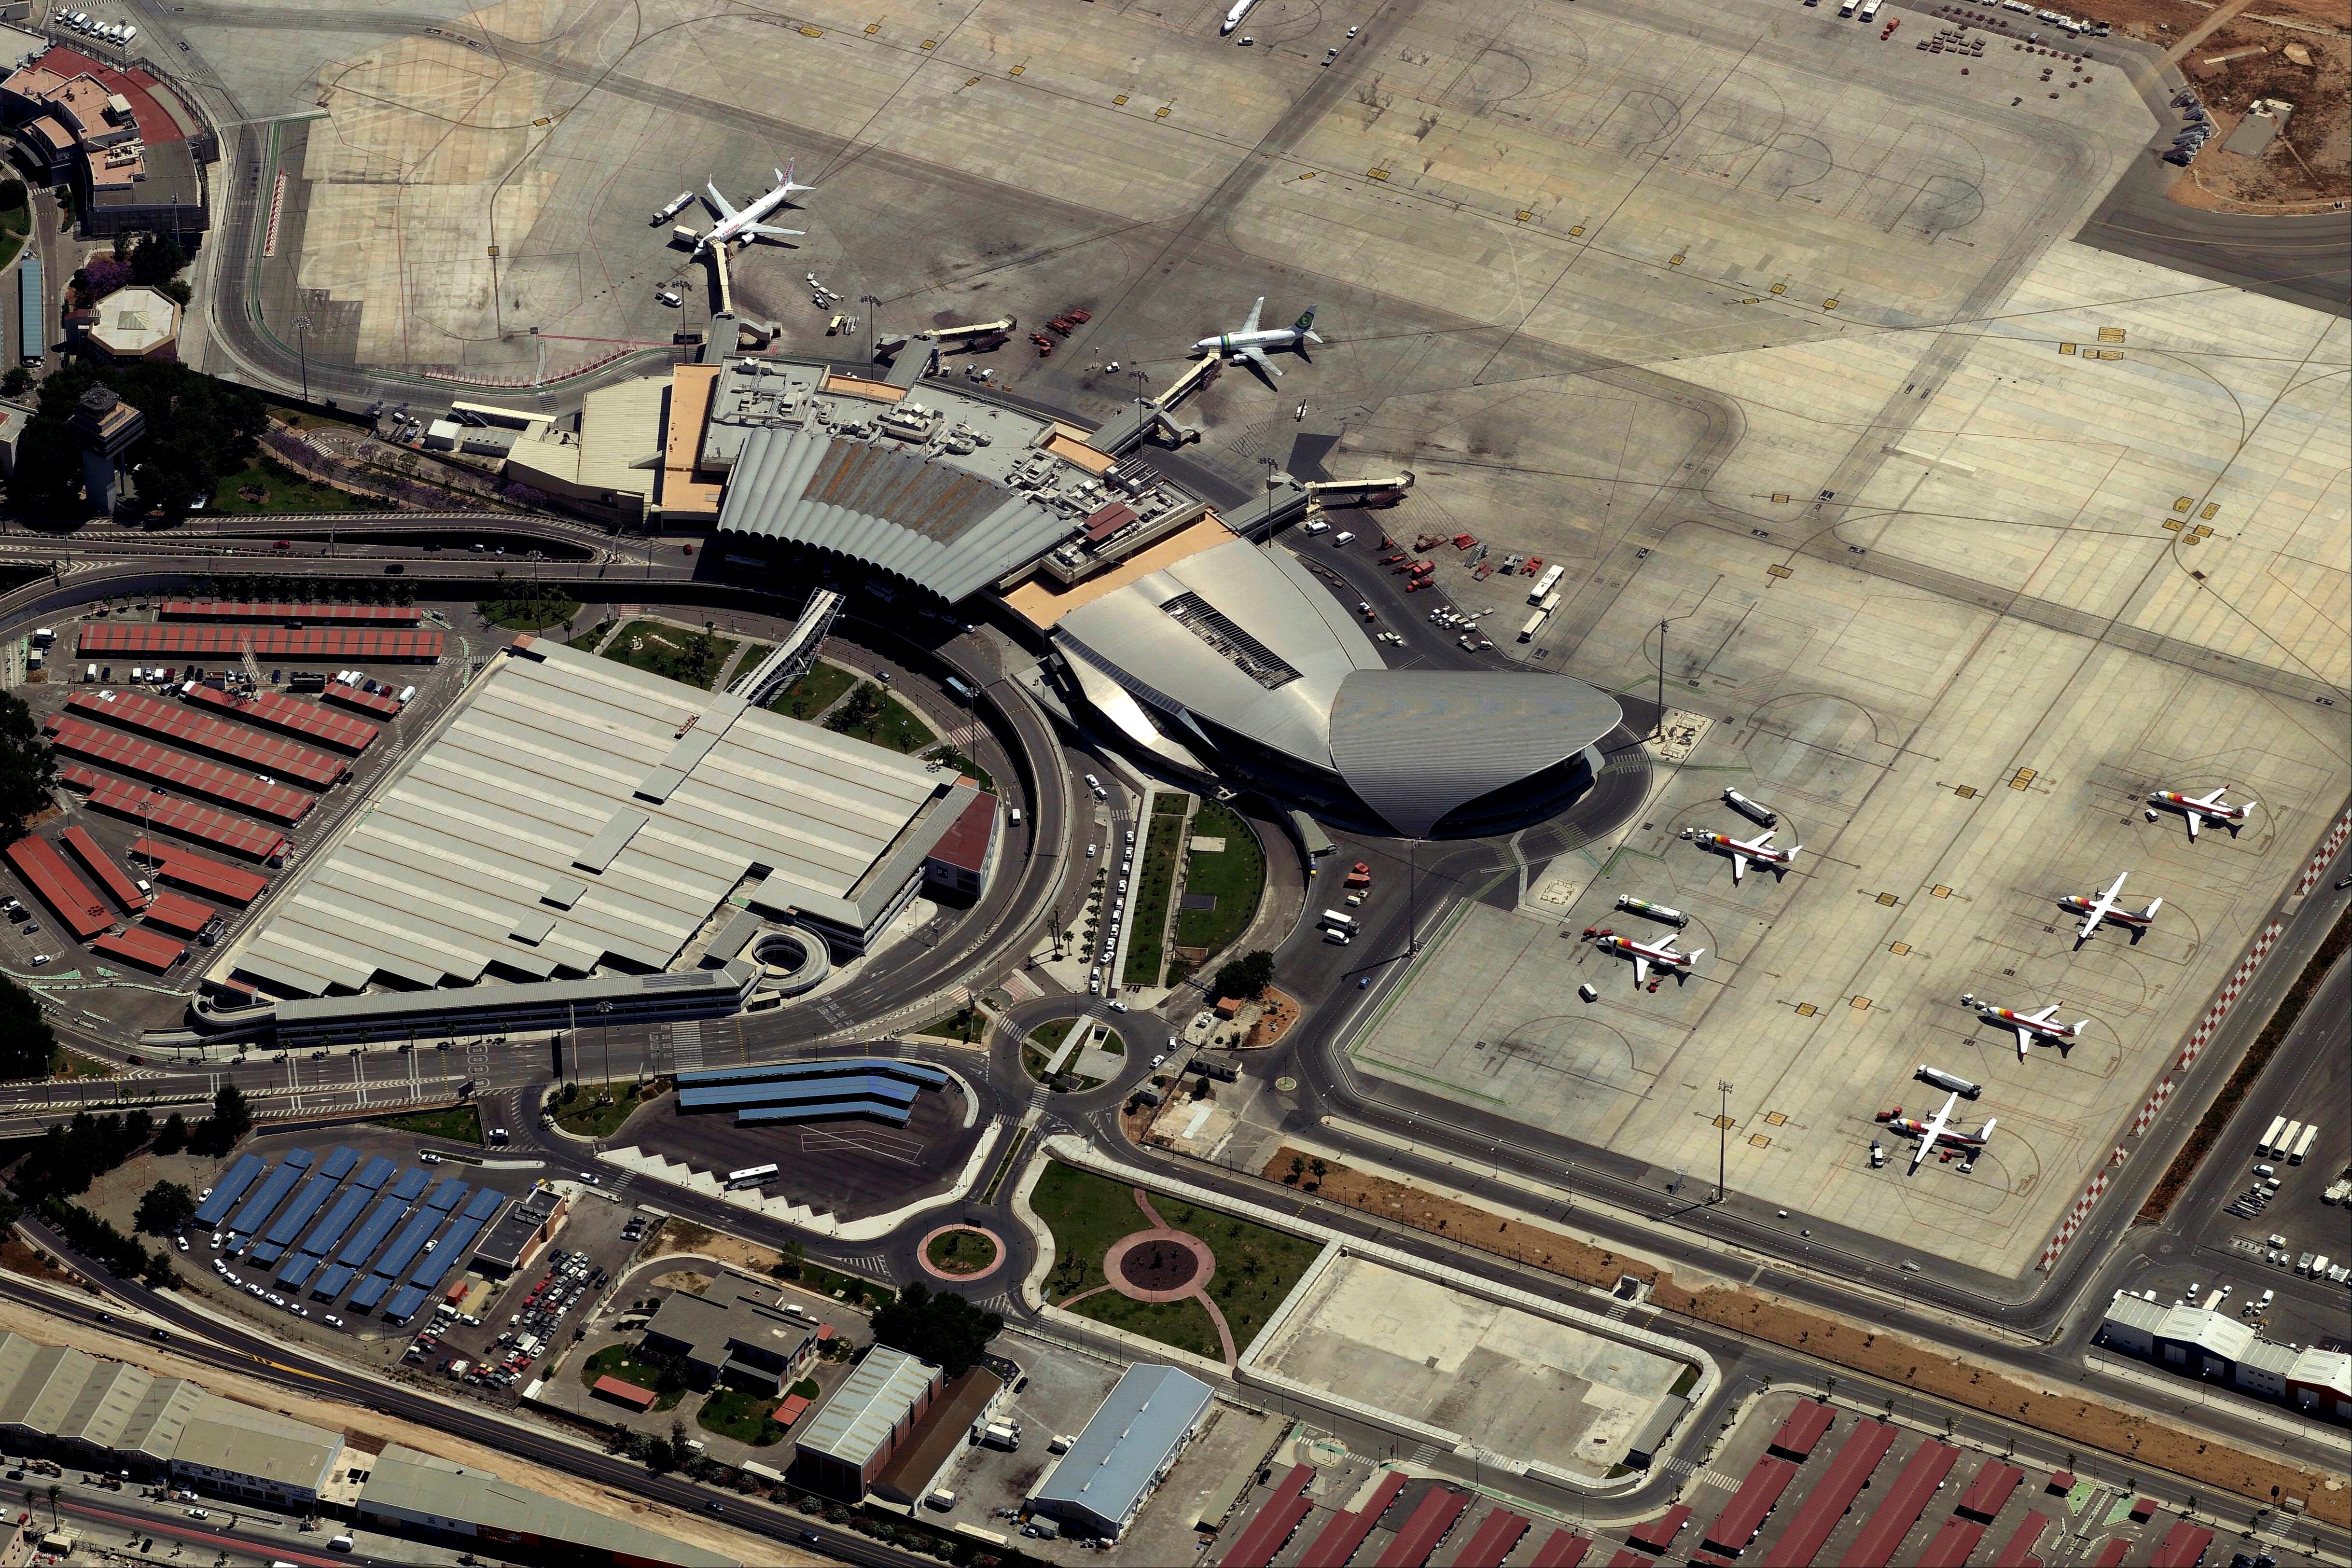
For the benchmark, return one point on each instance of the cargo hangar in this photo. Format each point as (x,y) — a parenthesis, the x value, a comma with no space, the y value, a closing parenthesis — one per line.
(1166,630)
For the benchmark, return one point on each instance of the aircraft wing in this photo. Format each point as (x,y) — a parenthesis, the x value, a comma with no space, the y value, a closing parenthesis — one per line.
(1250,325)
(1934,1130)
(2024,1041)
(2192,818)
(1738,866)
(725,208)
(768,231)
(2101,908)
(1640,971)
(2213,798)
(1258,355)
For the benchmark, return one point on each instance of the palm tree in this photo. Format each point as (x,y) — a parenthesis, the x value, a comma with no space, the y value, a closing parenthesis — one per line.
(56,1493)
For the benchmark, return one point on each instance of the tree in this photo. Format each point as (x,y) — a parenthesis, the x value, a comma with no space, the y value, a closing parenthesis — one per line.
(231,1119)
(198,431)
(1245,976)
(14,381)
(157,1273)
(944,1328)
(155,259)
(28,1044)
(173,1136)
(28,767)
(165,1208)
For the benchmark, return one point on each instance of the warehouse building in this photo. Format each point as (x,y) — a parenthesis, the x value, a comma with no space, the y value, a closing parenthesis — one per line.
(739,1333)
(1127,1448)
(423,1498)
(108,1412)
(2213,1346)
(572,822)
(846,1444)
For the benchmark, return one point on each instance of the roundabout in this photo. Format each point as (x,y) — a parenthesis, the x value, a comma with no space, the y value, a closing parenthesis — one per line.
(960,1254)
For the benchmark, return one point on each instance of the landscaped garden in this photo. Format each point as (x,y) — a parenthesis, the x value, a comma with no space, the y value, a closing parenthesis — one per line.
(870,713)
(961,1251)
(265,484)
(672,652)
(1255,1265)
(597,1110)
(527,606)
(1042,1042)
(621,1361)
(746,1417)
(1154,880)
(814,693)
(1234,877)
(454,1125)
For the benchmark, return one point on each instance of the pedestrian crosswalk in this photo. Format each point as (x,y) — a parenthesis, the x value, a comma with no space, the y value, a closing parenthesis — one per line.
(1424,1455)
(872,1265)
(686,1044)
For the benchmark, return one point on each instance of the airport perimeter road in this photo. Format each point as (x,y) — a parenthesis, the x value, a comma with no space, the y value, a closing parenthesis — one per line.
(2306,259)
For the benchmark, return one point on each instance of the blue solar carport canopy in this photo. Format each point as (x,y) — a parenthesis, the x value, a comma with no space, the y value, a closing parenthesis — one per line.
(921,1073)
(727,1096)
(825,1110)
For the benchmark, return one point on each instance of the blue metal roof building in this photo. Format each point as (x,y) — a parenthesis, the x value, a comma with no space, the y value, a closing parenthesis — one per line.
(32,313)
(1125,1451)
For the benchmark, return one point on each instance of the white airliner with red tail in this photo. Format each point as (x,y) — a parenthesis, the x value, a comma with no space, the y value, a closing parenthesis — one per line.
(1757,851)
(2098,908)
(2210,808)
(1937,1129)
(2027,1026)
(1662,954)
(746,225)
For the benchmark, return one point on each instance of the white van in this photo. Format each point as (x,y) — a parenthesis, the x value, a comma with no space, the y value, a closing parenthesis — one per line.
(1338,539)
(1318,527)
(339,1543)
(1334,917)
(1016,816)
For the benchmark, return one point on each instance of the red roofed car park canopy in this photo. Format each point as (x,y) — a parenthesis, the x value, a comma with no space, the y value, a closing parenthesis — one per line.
(301,614)
(161,640)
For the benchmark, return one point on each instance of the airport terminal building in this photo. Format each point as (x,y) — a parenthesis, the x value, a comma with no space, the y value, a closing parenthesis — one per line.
(1166,630)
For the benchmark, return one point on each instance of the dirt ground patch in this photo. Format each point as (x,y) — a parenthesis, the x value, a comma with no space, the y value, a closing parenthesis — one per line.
(2311,159)
(2164,22)
(372,1431)
(2082,1421)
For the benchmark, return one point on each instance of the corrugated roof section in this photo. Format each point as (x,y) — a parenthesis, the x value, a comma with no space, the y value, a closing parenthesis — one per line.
(201,874)
(151,808)
(274,711)
(131,639)
(198,732)
(109,748)
(857,1421)
(250,610)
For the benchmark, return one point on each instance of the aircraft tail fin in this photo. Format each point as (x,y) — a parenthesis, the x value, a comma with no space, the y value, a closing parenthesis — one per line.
(1306,323)
(1986,1131)
(1694,953)
(2153,905)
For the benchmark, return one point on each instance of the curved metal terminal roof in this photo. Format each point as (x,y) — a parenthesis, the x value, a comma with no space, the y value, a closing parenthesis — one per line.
(1417,744)
(934,525)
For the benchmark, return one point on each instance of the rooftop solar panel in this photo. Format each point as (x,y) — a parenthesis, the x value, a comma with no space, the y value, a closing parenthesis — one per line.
(825,1110)
(483,1204)
(271,1193)
(444,1196)
(403,1304)
(374,1174)
(262,1254)
(232,1187)
(447,1253)
(339,1162)
(330,1283)
(408,1243)
(380,1221)
(370,1291)
(300,1268)
(726,1096)
(298,1214)
(340,1216)
(412,1182)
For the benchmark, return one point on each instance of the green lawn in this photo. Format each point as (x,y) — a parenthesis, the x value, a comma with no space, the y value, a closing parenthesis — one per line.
(694,657)
(731,1412)
(265,484)
(750,659)
(968,1024)
(458,1124)
(616,1360)
(520,611)
(1155,880)
(1043,1041)
(1234,876)
(586,642)
(961,1251)
(1256,1265)
(949,757)
(814,693)
(15,223)
(871,714)
(588,1116)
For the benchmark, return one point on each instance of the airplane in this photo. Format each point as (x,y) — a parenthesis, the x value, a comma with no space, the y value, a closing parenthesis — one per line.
(733,226)
(1759,850)
(2028,1025)
(1250,342)
(1661,953)
(1938,1127)
(2101,907)
(2200,808)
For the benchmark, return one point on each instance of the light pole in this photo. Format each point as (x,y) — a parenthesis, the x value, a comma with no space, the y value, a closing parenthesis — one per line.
(1722,1137)
(301,325)
(605,1029)
(872,306)
(1658,724)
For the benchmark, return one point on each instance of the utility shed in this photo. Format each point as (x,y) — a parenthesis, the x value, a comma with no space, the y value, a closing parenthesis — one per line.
(1126,1448)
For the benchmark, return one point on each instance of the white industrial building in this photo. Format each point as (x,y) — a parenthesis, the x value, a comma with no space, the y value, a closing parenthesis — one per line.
(1127,1448)
(2213,1346)
(572,822)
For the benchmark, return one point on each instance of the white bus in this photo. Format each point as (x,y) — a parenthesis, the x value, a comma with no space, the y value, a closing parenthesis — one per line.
(2303,1144)
(751,1175)
(2270,1140)
(1344,922)
(2285,1141)
(1545,584)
